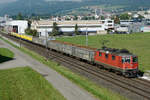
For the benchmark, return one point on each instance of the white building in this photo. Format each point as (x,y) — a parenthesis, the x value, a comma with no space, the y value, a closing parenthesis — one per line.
(17,26)
(147,16)
(122,28)
(126,22)
(4,19)
(145,29)
(91,26)
(108,23)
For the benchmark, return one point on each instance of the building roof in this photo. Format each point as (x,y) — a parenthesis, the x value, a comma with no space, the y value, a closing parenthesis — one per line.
(48,22)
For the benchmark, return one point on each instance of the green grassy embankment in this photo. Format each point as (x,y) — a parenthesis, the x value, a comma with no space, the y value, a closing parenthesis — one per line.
(5,55)
(98,91)
(138,44)
(26,84)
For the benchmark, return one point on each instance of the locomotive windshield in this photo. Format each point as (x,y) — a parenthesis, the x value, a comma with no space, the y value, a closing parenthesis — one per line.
(125,60)
(135,59)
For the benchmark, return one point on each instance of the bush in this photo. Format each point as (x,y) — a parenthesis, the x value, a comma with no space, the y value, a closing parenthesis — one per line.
(31,32)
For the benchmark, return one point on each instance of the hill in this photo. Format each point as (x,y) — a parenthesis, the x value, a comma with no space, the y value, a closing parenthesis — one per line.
(40,7)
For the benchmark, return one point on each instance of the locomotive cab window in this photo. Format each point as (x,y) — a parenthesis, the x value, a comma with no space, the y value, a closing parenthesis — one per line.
(113,57)
(106,56)
(135,59)
(100,54)
(127,60)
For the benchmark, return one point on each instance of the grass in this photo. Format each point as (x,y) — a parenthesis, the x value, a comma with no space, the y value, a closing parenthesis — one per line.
(137,44)
(26,84)
(98,91)
(5,55)
(6,52)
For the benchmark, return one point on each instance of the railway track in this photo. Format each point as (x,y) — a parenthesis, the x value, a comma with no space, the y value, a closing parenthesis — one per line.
(137,86)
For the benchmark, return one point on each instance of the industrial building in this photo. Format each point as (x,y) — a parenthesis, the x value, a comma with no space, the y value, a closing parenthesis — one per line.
(91,26)
(17,26)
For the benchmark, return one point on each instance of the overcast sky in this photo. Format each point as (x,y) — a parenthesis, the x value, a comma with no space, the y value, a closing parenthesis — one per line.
(6,1)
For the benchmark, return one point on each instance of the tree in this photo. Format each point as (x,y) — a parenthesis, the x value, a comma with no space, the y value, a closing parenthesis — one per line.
(34,32)
(31,32)
(116,20)
(29,23)
(102,18)
(28,31)
(19,16)
(55,30)
(141,17)
(75,18)
(85,18)
(76,30)
(125,16)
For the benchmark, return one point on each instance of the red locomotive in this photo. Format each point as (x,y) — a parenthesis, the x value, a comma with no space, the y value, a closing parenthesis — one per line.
(118,60)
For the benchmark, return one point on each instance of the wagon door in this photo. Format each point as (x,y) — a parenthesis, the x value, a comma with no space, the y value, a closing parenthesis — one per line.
(91,55)
(73,51)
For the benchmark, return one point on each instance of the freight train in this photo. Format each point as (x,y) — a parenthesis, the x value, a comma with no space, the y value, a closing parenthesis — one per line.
(121,61)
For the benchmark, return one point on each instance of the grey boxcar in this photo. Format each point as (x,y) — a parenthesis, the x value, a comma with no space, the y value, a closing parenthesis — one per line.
(84,53)
(74,50)
(39,41)
(60,47)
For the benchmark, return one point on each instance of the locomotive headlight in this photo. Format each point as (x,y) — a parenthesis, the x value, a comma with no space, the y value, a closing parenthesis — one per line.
(107,52)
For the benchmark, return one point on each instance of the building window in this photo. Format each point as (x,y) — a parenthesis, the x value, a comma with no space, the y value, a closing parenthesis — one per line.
(113,57)
(39,33)
(100,54)
(109,24)
(109,21)
(106,56)
(49,33)
(103,22)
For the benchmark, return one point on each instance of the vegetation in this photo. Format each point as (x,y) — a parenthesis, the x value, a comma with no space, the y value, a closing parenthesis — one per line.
(76,30)
(140,16)
(55,30)
(5,55)
(136,43)
(29,23)
(116,20)
(31,32)
(98,91)
(125,16)
(19,16)
(26,84)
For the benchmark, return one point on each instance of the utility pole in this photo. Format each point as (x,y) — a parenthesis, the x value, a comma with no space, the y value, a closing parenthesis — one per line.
(46,38)
(20,35)
(86,35)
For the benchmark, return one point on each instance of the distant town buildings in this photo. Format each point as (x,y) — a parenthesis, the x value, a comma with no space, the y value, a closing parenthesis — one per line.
(4,20)
(92,23)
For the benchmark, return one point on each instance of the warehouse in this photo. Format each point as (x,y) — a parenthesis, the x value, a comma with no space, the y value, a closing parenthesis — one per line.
(92,26)
(17,26)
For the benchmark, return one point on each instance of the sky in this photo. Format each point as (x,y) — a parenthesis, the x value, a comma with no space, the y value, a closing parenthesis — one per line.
(6,1)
